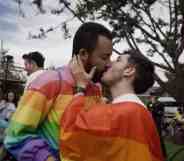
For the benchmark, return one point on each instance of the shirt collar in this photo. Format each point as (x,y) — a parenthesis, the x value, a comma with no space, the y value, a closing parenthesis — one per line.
(128,98)
(33,76)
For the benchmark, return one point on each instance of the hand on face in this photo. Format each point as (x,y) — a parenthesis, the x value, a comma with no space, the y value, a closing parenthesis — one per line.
(79,74)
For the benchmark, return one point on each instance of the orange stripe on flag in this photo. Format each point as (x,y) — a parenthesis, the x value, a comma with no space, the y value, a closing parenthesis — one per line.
(84,147)
(127,121)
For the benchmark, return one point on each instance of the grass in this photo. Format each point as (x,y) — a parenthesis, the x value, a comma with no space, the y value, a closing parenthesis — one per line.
(174,152)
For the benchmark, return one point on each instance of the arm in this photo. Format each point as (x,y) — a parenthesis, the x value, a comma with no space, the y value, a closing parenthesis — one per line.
(22,139)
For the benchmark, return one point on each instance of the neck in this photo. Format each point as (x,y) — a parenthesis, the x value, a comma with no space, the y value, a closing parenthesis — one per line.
(37,69)
(121,88)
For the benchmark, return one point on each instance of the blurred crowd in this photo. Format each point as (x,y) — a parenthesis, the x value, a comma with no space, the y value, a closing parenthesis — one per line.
(7,107)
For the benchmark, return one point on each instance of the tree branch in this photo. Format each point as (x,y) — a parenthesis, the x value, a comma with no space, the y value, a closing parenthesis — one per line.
(161,66)
(116,51)
(66,4)
(135,44)
(170,17)
(155,24)
(161,54)
(161,83)
(157,64)
(181,45)
(176,20)
(149,35)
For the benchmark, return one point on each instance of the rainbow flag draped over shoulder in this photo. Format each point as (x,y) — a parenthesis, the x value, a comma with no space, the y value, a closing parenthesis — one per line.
(114,132)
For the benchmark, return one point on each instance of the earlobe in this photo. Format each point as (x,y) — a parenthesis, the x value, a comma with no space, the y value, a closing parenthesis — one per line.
(129,71)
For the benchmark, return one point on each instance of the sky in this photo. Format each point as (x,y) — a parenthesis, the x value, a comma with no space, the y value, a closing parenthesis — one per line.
(14,31)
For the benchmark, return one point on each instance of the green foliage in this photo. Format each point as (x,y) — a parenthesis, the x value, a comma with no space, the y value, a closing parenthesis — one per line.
(156,24)
(160,35)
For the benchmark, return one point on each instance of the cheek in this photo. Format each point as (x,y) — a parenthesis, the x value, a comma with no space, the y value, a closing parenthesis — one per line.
(94,62)
(27,66)
(110,78)
(100,64)
(116,73)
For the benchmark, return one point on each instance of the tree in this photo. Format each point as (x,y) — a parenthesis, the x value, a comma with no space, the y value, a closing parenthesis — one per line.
(138,22)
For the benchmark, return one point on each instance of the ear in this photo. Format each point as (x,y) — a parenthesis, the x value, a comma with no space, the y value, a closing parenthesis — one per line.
(83,54)
(129,71)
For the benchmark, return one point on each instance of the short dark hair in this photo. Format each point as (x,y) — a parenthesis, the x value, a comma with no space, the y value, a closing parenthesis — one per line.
(35,56)
(1,93)
(144,78)
(87,35)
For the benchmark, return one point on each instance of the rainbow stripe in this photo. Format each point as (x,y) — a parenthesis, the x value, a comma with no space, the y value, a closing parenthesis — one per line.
(33,133)
(115,132)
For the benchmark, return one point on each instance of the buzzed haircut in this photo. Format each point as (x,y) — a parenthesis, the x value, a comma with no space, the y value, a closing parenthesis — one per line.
(87,35)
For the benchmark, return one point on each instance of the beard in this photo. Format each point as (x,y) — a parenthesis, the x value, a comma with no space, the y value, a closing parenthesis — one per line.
(97,77)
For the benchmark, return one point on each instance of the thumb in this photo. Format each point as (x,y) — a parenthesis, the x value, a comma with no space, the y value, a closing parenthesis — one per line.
(92,72)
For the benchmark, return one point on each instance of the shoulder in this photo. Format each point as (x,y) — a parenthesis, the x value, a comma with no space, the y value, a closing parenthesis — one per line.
(49,81)
(43,78)
(46,82)
(131,108)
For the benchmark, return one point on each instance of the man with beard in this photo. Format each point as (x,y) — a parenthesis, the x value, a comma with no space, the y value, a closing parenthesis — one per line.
(121,131)
(34,66)
(33,134)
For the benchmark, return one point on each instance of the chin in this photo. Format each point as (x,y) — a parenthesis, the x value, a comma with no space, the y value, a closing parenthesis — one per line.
(105,81)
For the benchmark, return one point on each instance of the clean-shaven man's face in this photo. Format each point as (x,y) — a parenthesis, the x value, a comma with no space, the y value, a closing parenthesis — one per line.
(117,70)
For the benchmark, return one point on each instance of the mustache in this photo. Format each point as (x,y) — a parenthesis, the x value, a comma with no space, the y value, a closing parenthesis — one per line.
(98,75)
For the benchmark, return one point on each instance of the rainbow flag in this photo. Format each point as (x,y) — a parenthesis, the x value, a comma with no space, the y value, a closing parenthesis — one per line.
(108,132)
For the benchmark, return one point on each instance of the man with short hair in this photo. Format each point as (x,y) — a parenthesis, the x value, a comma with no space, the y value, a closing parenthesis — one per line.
(34,66)
(33,62)
(33,134)
(121,131)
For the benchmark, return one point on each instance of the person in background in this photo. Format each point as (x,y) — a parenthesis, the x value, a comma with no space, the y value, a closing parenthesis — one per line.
(3,122)
(34,66)
(33,134)
(121,131)
(10,104)
(2,100)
